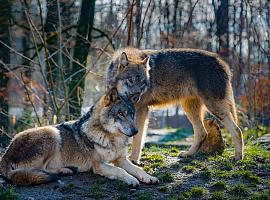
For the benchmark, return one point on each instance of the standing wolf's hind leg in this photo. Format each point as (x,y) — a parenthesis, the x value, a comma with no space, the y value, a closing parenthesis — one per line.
(224,110)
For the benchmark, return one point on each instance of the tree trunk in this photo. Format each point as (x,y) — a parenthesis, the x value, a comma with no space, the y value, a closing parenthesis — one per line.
(138,21)
(5,17)
(81,51)
(223,28)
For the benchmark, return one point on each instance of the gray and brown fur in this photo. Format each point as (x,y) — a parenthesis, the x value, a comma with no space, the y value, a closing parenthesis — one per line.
(98,141)
(196,79)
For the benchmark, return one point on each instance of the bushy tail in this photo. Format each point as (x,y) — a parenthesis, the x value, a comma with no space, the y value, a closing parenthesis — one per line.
(31,177)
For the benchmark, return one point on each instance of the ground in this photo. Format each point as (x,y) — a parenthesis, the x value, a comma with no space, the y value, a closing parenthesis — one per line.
(200,177)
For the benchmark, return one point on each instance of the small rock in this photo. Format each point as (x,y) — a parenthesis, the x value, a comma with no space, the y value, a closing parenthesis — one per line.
(132,190)
(60,182)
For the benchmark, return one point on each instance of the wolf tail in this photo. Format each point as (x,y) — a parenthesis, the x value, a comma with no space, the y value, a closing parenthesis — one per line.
(26,176)
(32,177)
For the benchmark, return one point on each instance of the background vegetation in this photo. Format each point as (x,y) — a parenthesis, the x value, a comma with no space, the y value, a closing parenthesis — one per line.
(54,53)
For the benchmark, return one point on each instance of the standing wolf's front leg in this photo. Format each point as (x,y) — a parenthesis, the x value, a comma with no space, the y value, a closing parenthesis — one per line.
(138,140)
(112,172)
(135,171)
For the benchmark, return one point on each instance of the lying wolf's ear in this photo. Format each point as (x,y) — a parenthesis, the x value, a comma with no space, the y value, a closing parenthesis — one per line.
(123,60)
(111,97)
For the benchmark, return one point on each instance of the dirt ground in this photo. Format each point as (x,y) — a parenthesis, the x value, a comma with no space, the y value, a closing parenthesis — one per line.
(200,177)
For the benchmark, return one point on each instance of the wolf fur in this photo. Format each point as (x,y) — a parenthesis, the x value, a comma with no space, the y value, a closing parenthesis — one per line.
(196,79)
(97,141)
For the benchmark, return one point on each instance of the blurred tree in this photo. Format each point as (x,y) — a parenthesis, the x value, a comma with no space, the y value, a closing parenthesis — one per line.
(81,51)
(5,18)
(222,19)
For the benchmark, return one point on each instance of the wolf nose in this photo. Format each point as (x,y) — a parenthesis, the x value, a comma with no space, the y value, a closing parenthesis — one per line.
(134,131)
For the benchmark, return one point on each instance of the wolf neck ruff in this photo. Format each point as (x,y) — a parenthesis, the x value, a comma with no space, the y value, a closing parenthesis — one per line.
(76,129)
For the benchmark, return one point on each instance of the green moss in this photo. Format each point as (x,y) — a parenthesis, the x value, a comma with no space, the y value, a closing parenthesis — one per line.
(122,196)
(248,175)
(240,190)
(144,196)
(153,161)
(165,176)
(196,163)
(219,185)
(221,173)
(121,186)
(197,191)
(263,195)
(8,194)
(172,151)
(189,168)
(206,173)
(217,195)
(97,192)
(164,188)
(268,183)
(184,195)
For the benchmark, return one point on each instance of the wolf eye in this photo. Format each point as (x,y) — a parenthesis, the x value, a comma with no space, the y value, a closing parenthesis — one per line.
(121,113)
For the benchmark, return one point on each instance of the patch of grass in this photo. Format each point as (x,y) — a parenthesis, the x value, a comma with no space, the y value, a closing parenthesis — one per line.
(240,190)
(206,173)
(197,191)
(97,192)
(184,195)
(165,176)
(144,196)
(217,195)
(196,163)
(219,185)
(154,161)
(264,195)
(189,168)
(164,188)
(221,173)
(253,152)
(121,186)
(122,196)
(8,194)
(268,183)
(172,151)
(248,175)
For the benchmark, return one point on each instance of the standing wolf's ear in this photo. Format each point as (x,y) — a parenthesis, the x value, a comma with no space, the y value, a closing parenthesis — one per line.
(145,60)
(123,60)
(111,97)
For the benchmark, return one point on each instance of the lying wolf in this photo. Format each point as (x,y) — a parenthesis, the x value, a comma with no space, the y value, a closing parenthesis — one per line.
(98,141)
(196,79)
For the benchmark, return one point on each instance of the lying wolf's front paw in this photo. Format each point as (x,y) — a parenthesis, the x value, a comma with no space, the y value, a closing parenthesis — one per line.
(149,179)
(131,181)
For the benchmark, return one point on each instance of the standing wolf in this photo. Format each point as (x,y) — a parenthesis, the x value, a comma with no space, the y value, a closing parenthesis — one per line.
(96,140)
(196,79)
